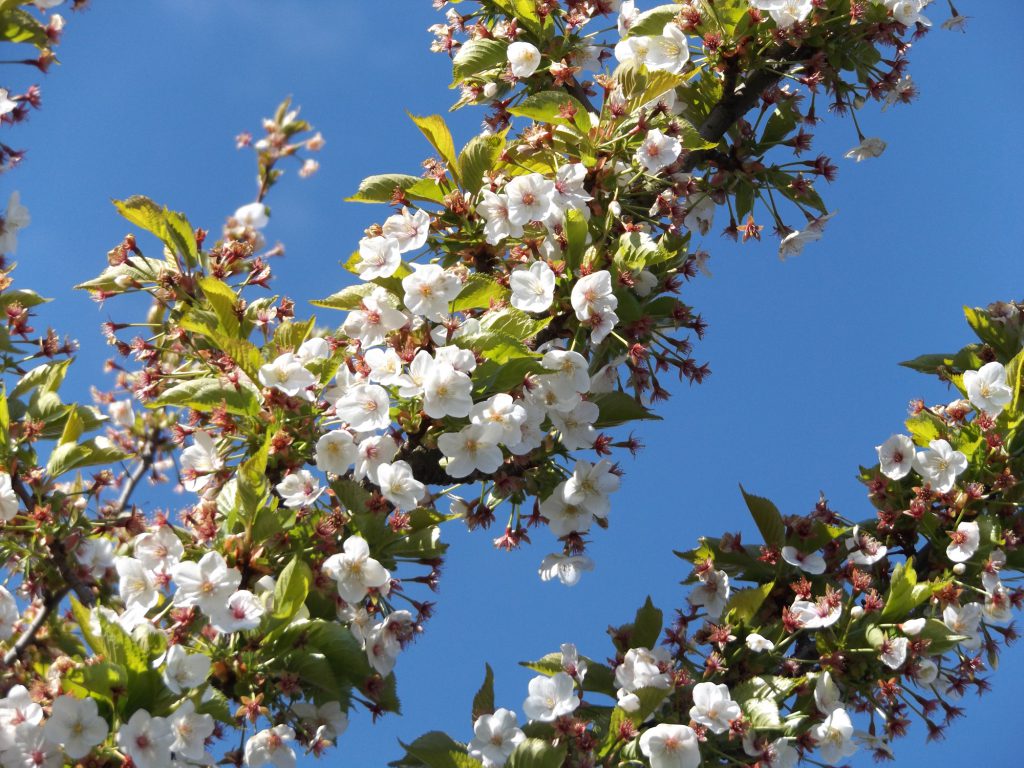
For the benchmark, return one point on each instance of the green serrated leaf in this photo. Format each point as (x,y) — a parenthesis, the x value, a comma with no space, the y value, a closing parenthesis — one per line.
(440,138)
(206,394)
(478,56)
(535,753)
(483,701)
(480,155)
(646,626)
(768,519)
(480,292)
(619,408)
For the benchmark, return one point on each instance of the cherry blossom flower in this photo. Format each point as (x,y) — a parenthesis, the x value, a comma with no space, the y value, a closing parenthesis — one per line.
(894,652)
(826,694)
(868,148)
(834,737)
(495,737)
(668,745)
(565,518)
(135,586)
(243,611)
(593,295)
(299,489)
(965,541)
(863,548)
(159,550)
(503,412)
(568,569)
(759,644)
(812,563)
(207,584)
(590,486)
(987,388)
(713,707)
(365,407)
(429,290)
(409,232)
(399,486)
(473,448)
(8,498)
(670,51)
(190,731)
(964,620)
(633,50)
(336,452)
(379,257)
(529,198)
(550,697)
(146,740)
(712,592)
(447,392)
(355,571)
(940,465)
(374,451)
(7,104)
(896,457)
(374,320)
(181,670)
(271,747)
(816,615)
(494,209)
(524,58)
(658,151)
(199,462)
(252,215)
(329,716)
(76,725)
(533,288)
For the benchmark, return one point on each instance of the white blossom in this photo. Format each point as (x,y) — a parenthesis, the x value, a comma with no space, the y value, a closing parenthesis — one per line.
(964,542)
(410,232)
(524,58)
(199,461)
(495,737)
(271,747)
(533,288)
(940,465)
(896,457)
(336,452)
(146,740)
(288,374)
(355,571)
(378,257)
(568,569)
(76,725)
(550,697)
(658,151)
(987,388)
(299,489)
(668,745)
(399,486)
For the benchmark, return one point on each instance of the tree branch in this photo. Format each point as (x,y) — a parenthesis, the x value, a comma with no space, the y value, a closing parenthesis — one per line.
(146,458)
(29,635)
(737,101)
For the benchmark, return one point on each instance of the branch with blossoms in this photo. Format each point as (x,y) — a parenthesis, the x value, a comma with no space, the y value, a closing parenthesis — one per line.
(515,309)
(830,636)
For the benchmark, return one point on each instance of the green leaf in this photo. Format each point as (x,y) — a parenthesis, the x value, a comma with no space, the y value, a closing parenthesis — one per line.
(348,298)
(762,714)
(513,322)
(779,126)
(480,292)
(552,107)
(653,22)
(928,363)
(291,588)
(17,26)
(478,56)
(618,408)
(483,701)
(924,427)
(599,678)
(745,603)
(498,347)
(172,228)
(381,189)
(91,453)
(480,155)
(646,626)
(138,269)
(206,394)
(535,753)
(290,335)
(768,519)
(437,750)
(997,335)
(903,594)
(440,138)
(223,300)
(576,229)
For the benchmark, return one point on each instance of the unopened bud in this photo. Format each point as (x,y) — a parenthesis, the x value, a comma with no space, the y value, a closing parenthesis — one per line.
(856,612)
(615,208)
(959,569)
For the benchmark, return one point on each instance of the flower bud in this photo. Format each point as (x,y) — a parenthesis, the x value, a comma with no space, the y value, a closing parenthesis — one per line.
(959,569)
(856,612)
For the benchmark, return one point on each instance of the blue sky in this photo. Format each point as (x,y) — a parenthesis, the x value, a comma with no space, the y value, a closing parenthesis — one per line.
(803,353)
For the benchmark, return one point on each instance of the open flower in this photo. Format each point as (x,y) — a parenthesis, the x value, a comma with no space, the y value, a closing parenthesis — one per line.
(495,737)
(965,541)
(940,465)
(713,707)
(550,697)
(987,388)
(299,489)
(355,571)
(896,457)
(271,747)
(76,725)
(533,288)
(868,148)
(670,746)
(523,58)
(568,569)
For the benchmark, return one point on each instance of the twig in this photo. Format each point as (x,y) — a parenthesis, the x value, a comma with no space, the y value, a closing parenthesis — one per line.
(29,635)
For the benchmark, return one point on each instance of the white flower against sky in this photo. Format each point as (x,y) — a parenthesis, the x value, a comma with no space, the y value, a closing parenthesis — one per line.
(252,215)
(868,148)
(712,592)
(964,620)
(940,465)
(565,518)
(834,737)
(864,549)
(503,412)
(410,232)
(894,652)
(7,104)
(399,486)
(190,731)
(550,697)
(568,569)
(826,694)
(590,485)
(633,50)
(8,498)
(576,427)
(429,290)
(374,451)
(271,747)
(987,388)
(896,457)
(329,716)
(355,571)
(495,737)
